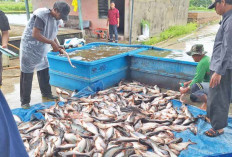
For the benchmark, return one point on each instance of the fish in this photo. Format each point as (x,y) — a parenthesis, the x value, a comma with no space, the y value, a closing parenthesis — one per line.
(81,145)
(109,133)
(60,91)
(66,146)
(125,120)
(17,119)
(69,60)
(181,146)
(37,126)
(72,138)
(76,153)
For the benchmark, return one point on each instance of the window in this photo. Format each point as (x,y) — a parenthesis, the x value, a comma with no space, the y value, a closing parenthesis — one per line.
(103,8)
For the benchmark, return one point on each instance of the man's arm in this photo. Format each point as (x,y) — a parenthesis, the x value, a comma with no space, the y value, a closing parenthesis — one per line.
(38,36)
(187,83)
(107,23)
(5,38)
(200,73)
(118,21)
(4,27)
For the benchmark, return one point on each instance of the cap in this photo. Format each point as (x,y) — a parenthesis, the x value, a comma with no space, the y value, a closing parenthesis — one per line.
(197,49)
(63,9)
(213,4)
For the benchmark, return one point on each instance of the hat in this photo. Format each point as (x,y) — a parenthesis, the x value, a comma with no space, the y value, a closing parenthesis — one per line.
(197,49)
(63,9)
(213,4)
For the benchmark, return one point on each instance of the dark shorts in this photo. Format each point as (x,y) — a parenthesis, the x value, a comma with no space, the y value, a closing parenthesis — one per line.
(198,90)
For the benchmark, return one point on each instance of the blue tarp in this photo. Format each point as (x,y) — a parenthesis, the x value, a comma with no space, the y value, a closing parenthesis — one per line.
(206,146)
(31,114)
(11,144)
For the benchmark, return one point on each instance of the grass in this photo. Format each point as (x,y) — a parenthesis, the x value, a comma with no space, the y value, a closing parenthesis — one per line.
(171,32)
(14,7)
(192,8)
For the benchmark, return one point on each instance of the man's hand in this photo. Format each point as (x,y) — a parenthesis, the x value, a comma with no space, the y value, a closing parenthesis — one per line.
(184,90)
(4,46)
(61,47)
(118,25)
(215,80)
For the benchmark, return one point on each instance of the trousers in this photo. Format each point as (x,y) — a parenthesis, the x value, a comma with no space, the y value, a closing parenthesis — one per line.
(26,85)
(218,102)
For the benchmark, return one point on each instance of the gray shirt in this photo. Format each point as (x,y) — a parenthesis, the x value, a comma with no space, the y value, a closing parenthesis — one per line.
(39,23)
(221,59)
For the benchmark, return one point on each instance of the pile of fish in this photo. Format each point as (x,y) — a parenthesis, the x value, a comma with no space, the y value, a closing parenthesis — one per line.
(130,120)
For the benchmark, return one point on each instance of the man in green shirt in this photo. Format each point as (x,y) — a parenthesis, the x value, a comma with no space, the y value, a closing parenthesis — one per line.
(199,85)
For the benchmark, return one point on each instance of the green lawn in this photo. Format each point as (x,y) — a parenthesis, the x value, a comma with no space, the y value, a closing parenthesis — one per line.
(14,7)
(192,8)
(172,32)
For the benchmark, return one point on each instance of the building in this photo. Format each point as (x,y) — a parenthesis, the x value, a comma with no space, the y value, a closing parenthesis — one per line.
(159,13)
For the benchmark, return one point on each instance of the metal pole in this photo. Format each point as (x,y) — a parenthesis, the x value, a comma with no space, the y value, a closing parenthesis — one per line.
(131,22)
(80,17)
(27,9)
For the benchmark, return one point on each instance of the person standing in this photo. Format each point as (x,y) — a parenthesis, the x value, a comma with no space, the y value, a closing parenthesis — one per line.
(38,37)
(113,22)
(219,96)
(4,27)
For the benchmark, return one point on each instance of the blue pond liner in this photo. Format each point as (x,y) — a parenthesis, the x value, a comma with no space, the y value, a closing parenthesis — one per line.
(212,147)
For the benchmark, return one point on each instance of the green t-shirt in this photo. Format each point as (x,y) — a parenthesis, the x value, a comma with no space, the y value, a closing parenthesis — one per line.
(202,71)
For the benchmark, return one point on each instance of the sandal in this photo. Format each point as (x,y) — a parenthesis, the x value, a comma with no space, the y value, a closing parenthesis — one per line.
(213,133)
(204,117)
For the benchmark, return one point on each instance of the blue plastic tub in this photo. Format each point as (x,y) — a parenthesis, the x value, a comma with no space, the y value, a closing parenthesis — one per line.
(110,70)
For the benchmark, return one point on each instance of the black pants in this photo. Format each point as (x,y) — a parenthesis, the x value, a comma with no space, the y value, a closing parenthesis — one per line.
(26,85)
(218,102)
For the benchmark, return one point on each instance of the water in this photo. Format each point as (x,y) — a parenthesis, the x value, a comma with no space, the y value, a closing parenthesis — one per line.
(99,52)
(178,55)
(17,19)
